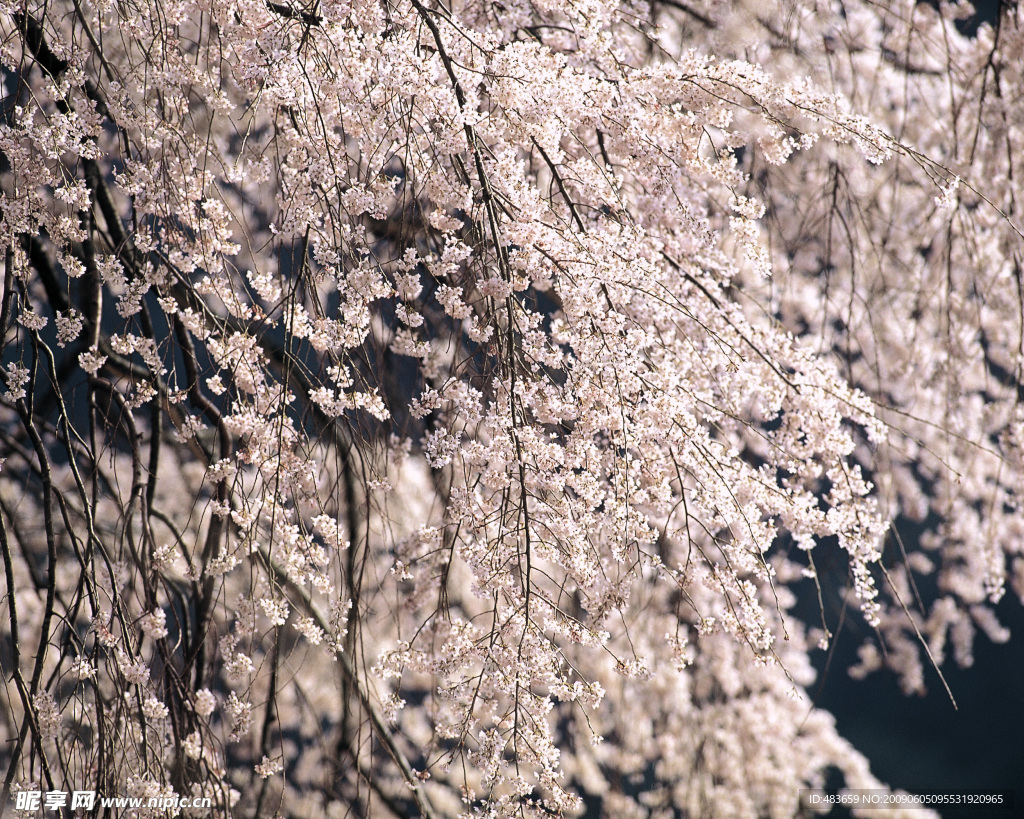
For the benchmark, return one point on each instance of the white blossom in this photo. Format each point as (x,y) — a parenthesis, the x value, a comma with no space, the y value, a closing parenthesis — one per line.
(205,702)
(91,362)
(69,326)
(530,363)
(154,624)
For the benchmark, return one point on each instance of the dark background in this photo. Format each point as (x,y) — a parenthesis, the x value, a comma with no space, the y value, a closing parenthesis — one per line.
(921,744)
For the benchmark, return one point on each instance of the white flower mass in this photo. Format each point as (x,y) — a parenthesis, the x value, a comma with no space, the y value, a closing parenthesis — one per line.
(495,410)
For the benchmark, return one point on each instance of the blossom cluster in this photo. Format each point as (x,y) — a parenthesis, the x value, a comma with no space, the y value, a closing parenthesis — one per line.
(456,398)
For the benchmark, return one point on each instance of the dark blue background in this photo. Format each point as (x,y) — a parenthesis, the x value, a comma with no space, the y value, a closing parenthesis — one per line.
(922,744)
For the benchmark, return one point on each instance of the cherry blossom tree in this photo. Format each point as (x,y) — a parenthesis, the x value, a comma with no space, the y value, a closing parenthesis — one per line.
(423,408)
